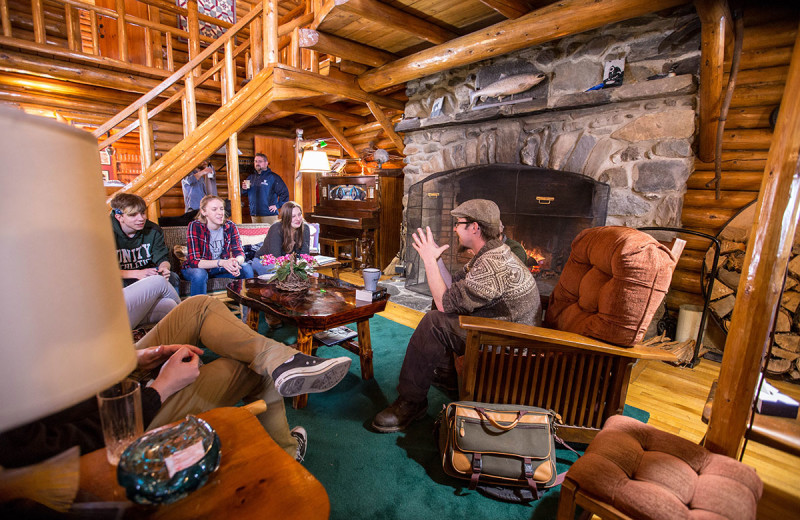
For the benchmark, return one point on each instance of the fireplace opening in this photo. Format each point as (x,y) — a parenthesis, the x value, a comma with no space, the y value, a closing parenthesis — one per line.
(542,209)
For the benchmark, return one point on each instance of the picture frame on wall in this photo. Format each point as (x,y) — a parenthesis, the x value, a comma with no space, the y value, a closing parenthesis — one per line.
(105,159)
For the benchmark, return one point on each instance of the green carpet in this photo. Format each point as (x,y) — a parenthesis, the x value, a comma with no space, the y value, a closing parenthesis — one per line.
(392,476)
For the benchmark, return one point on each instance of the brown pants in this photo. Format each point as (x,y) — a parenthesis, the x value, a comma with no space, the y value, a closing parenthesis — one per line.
(243,372)
(264,219)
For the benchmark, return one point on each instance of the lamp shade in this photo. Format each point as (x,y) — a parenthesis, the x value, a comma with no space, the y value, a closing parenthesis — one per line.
(315,161)
(63,321)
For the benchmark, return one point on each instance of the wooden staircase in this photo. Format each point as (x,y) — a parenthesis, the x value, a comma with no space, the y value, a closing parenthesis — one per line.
(273,82)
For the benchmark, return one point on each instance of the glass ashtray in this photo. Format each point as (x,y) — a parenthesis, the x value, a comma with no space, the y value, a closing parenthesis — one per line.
(166,464)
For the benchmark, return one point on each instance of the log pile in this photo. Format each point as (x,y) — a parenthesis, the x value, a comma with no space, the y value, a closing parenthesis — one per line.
(785,355)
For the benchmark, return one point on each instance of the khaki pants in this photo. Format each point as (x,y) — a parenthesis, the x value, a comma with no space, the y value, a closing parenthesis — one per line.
(264,219)
(243,372)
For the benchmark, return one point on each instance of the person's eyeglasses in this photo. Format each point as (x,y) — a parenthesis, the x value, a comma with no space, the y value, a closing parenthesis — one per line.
(456,223)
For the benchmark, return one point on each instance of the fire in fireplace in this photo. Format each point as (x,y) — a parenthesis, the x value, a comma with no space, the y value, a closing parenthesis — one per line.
(543,209)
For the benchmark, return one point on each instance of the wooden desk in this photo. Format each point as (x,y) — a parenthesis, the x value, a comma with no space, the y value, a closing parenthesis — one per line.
(327,303)
(256,478)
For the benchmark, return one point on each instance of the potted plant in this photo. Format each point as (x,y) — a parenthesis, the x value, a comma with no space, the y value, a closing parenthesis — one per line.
(291,271)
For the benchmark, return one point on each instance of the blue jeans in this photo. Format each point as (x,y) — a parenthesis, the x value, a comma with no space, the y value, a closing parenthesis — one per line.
(198,278)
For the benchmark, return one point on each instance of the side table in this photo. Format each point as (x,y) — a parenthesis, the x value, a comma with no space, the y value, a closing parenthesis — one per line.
(255,479)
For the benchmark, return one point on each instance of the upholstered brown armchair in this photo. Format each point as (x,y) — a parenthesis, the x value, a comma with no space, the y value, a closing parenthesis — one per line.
(579,363)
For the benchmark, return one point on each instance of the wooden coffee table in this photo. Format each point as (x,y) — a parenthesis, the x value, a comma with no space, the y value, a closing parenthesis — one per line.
(329,302)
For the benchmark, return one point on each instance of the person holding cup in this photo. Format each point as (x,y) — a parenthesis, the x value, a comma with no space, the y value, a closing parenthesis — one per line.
(290,235)
(214,249)
(265,190)
(250,367)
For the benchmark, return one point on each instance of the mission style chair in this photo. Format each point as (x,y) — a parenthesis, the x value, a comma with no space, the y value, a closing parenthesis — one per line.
(580,365)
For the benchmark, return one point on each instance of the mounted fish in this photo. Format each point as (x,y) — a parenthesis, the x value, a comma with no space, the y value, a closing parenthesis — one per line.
(506,87)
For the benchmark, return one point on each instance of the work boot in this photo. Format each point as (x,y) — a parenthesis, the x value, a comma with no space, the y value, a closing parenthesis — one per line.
(399,415)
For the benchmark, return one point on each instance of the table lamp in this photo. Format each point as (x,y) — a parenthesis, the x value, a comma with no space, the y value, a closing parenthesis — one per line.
(315,161)
(65,330)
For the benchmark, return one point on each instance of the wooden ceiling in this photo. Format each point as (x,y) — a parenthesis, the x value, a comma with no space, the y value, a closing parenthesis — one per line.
(379,32)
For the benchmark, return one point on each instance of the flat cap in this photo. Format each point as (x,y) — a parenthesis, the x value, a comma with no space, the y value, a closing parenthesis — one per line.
(483,211)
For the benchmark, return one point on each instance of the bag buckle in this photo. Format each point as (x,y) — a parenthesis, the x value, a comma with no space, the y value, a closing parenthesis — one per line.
(476,470)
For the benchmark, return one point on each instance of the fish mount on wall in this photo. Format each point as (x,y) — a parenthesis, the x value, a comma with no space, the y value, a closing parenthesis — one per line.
(505,83)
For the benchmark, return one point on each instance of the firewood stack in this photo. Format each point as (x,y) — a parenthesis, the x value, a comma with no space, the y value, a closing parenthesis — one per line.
(785,358)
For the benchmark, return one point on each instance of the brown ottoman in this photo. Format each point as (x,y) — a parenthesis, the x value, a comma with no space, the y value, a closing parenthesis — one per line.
(632,470)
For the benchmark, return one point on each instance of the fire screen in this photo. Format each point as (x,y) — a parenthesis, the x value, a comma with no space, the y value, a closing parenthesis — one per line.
(542,209)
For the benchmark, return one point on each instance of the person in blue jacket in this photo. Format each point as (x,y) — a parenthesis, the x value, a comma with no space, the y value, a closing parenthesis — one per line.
(266,191)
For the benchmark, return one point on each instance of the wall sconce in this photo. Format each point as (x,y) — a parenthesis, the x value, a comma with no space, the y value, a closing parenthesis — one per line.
(315,161)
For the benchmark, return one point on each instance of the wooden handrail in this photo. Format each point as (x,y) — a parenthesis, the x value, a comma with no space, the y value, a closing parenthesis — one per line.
(177,75)
(166,103)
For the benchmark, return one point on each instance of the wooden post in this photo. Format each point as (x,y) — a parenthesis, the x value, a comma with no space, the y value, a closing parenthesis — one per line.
(95,34)
(256,61)
(147,155)
(170,53)
(712,14)
(189,107)
(294,50)
(193,24)
(270,22)
(37,12)
(6,21)
(72,23)
(758,296)
(229,83)
(154,13)
(122,31)
(234,186)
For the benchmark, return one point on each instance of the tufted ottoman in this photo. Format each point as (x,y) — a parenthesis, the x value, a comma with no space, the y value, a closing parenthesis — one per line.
(632,470)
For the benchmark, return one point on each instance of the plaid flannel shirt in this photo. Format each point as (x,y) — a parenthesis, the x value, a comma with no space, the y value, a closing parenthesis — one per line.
(198,236)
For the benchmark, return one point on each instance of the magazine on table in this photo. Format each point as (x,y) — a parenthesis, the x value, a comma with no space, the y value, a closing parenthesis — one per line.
(322,260)
(335,335)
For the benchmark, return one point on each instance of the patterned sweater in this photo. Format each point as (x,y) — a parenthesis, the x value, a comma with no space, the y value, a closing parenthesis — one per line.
(495,284)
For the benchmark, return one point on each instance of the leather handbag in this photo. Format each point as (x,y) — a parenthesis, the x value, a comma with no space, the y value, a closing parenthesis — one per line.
(506,445)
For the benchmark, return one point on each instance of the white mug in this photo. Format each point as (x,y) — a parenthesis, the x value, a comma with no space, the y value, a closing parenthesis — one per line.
(371,277)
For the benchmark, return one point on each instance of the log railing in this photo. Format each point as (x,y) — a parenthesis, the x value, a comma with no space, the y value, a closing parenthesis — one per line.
(262,43)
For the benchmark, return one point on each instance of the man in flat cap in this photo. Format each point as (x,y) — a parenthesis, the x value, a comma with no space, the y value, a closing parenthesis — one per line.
(493,284)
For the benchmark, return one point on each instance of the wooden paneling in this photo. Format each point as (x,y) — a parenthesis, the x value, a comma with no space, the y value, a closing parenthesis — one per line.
(280,153)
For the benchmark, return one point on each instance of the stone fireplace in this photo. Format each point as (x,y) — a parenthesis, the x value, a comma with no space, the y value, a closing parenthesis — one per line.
(542,209)
(637,138)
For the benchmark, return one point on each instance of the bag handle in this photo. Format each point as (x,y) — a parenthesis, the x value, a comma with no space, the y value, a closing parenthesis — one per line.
(496,424)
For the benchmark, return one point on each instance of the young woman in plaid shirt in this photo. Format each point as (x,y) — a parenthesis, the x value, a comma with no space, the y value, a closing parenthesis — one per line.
(214,247)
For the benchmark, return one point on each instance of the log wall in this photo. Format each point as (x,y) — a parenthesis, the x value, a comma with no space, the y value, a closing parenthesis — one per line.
(766,49)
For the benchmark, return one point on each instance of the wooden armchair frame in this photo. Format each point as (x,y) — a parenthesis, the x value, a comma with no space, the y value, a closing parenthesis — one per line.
(582,379)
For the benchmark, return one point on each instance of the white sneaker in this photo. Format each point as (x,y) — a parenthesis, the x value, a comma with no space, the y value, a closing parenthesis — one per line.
(299,433)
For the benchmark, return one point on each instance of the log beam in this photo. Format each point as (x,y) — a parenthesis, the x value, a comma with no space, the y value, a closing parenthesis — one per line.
(344,48)
(64,68)
(508,8)
(299,79)
(548,23)
(759,292)
(387,126)
(397,20)
(714,16)
(337,134)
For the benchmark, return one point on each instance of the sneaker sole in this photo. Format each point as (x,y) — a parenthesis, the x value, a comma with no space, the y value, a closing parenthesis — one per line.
(314,379)
(400,427)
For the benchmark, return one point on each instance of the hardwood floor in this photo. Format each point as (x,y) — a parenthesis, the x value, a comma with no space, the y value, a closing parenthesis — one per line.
(675,397)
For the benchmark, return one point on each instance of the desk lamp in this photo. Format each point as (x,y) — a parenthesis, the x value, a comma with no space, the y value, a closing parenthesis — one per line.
(64,325)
